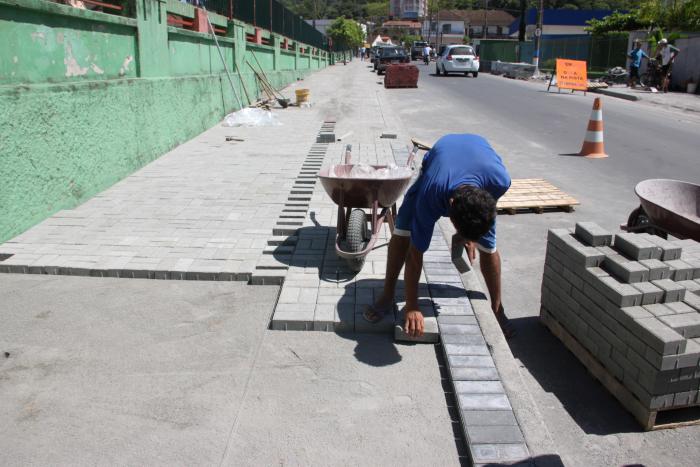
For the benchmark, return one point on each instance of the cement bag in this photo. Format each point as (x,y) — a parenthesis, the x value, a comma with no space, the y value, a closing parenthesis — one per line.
(252,117)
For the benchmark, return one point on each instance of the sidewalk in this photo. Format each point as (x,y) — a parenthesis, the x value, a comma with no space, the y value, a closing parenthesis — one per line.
(671,100)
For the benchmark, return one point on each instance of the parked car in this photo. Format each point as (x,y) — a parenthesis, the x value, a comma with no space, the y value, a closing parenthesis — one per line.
(390,55)
(457,59)
(417,49)
(376,50)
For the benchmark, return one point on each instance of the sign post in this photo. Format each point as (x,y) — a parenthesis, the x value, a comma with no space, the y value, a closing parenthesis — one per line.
(571,74)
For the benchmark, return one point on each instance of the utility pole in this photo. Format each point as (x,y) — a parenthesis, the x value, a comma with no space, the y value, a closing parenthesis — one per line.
(538,38)
(486,17)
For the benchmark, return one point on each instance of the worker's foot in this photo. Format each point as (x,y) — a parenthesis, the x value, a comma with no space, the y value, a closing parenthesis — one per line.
(504,323)
(375,313)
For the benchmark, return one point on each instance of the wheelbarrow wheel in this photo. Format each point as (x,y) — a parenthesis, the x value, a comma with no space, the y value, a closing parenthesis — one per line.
(357,237)
(639,219)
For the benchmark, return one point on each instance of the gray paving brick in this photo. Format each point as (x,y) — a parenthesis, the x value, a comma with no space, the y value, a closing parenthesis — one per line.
(458,361)
(478,387)
(498,453)
(636,247)
(456,319)
(659,309)
(625,270)
(672,291)
(692,300)
(483,402)
(474,374)
(650,293)
(466,339)
(577,252)
(691,286)
(686,324)
(669,251)
(490,417)
(680,270)
(466,349)
(460,329)
(592,234)
(659,336)
(657,269)
(494,434)
(617,292)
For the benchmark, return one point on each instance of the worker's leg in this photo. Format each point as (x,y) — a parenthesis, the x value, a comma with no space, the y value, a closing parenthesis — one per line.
(491,269)
(398,248)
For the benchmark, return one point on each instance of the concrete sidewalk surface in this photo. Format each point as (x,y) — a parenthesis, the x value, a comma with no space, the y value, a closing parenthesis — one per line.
(102,371)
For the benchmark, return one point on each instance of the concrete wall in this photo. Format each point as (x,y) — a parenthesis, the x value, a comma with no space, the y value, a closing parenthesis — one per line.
(87,98)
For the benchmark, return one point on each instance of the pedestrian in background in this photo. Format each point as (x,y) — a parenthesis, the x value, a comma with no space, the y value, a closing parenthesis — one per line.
(362,54)
(667,54)
(636,56)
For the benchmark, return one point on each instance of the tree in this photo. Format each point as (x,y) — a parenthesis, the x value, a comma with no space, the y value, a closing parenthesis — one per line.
(617,22)
(377,9)
(346,33)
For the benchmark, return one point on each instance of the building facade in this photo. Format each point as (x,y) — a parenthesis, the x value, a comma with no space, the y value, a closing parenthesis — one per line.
(408,9)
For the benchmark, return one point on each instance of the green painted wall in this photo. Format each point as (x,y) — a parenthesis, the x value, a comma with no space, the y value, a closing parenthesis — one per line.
(70,129)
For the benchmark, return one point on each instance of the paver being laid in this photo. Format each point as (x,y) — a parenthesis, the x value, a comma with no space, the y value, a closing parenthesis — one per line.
(638,334)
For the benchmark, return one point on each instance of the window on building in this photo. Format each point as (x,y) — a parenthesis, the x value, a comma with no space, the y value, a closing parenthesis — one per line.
(433,26)
(492,29)
(447,28)
(475,31)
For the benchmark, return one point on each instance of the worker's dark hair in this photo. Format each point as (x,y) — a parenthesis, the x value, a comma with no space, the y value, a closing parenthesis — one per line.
(473,212)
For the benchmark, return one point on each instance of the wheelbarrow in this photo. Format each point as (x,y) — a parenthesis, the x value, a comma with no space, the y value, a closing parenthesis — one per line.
(354,239)
(667,207)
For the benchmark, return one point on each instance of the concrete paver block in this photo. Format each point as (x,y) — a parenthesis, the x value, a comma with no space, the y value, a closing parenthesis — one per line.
(657,269)
(625,270)
(636,247)
(483,402)
(474,374)
(478,387)
(680,270)
(592,234)
(672,291)
(686,324)
(498,453)
(486,418)
(496,434)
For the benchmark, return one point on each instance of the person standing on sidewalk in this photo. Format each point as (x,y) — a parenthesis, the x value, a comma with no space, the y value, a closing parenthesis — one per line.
(636,56)
(461,177)
(668,54)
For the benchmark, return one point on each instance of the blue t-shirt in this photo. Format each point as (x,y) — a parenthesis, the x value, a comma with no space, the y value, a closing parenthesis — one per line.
(454,160)
(636,56)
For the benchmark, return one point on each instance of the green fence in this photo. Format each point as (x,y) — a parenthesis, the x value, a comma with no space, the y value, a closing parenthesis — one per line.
(270,15)
(600,52)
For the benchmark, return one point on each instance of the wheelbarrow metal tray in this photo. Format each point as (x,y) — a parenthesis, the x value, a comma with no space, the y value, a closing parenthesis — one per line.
(362,192)
(672,205)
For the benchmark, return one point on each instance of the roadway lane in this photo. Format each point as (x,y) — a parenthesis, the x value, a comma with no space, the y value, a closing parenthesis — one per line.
(531,129)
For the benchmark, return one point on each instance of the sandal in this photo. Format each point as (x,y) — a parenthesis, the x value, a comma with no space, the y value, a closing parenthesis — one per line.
(378,314)
(504,323)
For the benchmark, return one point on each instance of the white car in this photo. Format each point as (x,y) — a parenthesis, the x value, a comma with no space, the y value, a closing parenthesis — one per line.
(457,59)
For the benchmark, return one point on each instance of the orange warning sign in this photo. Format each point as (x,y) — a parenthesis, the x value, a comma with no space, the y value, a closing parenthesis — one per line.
(571,74)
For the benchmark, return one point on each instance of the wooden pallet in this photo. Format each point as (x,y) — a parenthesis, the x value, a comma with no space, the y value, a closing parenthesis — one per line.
(534,194)
(649,419)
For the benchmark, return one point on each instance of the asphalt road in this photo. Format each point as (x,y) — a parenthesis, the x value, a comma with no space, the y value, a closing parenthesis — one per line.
(533,131)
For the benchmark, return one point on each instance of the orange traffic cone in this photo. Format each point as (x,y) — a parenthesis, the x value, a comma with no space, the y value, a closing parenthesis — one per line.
(593,147)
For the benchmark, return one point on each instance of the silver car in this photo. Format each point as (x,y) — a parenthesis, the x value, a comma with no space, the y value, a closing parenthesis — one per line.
(457,59)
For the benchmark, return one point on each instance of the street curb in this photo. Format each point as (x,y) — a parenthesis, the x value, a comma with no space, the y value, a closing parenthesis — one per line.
(619,95)
(524,407)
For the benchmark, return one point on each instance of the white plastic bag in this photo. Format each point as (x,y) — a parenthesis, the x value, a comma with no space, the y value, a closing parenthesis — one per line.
(252,117)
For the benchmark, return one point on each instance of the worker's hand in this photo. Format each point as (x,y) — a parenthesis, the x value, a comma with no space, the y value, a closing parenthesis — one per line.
(414,323)
(471,251)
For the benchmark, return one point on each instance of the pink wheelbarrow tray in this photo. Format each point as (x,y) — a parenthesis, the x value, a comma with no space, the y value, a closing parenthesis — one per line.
(667,207)
(353,195)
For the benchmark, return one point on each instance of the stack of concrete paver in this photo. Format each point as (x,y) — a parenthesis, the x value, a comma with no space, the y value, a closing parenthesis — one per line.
(401,76)
(632,301)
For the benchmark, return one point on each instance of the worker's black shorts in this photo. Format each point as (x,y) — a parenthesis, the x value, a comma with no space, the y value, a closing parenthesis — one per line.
(666,70)
(634,72)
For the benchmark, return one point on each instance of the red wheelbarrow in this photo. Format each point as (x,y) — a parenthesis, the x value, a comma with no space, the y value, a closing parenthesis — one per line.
(667,207)
(353,196)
